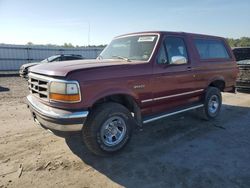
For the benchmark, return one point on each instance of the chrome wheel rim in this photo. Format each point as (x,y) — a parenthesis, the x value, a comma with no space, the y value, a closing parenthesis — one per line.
(213,104)
(113,131)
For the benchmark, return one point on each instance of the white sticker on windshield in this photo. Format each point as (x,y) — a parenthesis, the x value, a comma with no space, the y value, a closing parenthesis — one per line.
(146,39)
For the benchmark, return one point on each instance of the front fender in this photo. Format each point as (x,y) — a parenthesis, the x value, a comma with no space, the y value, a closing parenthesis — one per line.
(92,97)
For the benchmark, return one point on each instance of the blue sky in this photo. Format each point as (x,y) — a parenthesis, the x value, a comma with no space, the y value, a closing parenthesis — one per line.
(60,21)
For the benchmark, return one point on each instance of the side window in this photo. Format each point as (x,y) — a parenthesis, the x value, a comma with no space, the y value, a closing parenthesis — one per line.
(57,59)
(173,51)
(68,58)
(211,49)
(162,56)
(176,49)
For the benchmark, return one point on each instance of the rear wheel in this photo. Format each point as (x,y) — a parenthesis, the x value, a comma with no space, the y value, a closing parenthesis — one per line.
(212,103)
(108,128)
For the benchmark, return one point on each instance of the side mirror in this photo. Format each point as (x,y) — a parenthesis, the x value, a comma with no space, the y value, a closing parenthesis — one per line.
(178,60)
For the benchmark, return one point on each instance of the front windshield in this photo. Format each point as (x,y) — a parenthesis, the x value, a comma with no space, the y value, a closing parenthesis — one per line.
(137,47)
(49,59)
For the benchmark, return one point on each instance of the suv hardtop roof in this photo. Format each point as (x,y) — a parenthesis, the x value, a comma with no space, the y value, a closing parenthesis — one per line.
(173,33)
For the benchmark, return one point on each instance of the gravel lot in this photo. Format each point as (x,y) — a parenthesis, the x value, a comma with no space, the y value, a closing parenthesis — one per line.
(181,151)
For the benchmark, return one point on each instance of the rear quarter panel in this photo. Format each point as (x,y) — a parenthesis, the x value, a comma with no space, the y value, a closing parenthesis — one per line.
(209,70)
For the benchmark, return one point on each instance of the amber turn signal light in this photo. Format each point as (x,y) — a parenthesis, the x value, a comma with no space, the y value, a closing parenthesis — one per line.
(65,97)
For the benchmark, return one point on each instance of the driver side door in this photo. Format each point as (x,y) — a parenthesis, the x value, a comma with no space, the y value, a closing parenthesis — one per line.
(172,75)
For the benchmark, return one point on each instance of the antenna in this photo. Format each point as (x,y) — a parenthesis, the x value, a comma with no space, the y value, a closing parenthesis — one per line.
(88,33)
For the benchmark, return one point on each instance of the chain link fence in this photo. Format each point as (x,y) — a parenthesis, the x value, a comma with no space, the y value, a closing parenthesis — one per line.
(13,56)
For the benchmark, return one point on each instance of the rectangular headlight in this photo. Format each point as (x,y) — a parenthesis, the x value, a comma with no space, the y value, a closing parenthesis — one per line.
(58,87)
(65,91)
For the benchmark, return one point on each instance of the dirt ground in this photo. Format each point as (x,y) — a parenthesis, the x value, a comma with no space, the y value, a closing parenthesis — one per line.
(180,151)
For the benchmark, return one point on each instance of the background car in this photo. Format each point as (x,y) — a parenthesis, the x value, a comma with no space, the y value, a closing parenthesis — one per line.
(242,55)
(24,68)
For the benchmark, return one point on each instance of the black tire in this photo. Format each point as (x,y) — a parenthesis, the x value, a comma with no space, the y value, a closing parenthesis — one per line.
(212,95)
(92,131)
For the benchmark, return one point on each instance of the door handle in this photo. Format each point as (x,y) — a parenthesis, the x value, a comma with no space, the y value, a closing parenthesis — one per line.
(189,68)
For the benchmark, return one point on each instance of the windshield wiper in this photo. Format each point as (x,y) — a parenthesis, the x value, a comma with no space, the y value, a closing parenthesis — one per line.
(121,57)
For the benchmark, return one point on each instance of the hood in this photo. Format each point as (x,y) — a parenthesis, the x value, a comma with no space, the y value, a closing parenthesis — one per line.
(27,65)
(62,68)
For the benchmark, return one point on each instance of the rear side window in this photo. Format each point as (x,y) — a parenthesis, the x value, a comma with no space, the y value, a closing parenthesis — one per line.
(211,49)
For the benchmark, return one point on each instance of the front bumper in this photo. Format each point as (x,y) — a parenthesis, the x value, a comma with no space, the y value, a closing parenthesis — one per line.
(54,118)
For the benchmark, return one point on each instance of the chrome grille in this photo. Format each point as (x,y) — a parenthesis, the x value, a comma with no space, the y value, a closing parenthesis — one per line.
(38,86)
(244,73)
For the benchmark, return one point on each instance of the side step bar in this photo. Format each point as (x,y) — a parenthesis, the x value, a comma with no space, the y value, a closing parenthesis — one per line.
(148,120)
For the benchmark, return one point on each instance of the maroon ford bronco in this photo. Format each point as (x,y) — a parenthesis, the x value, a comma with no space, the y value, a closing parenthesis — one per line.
(137,79)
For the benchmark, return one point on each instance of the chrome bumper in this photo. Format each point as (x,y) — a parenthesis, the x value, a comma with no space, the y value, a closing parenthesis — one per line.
(56,119)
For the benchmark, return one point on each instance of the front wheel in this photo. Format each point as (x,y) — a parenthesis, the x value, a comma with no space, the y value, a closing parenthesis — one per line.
(108,128)
(212,103)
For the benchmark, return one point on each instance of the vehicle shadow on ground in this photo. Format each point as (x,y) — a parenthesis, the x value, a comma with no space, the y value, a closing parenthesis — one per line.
(4,89)
(164,153)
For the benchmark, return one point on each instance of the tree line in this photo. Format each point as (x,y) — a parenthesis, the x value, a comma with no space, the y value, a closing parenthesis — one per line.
(240,42)
(67,45)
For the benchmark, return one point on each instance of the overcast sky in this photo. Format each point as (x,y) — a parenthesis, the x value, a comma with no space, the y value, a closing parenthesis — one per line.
(60,21)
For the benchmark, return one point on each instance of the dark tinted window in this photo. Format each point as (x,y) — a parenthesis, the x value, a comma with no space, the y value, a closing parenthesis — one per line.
(241,53)
(56,59)
(68,58)
(211,49)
